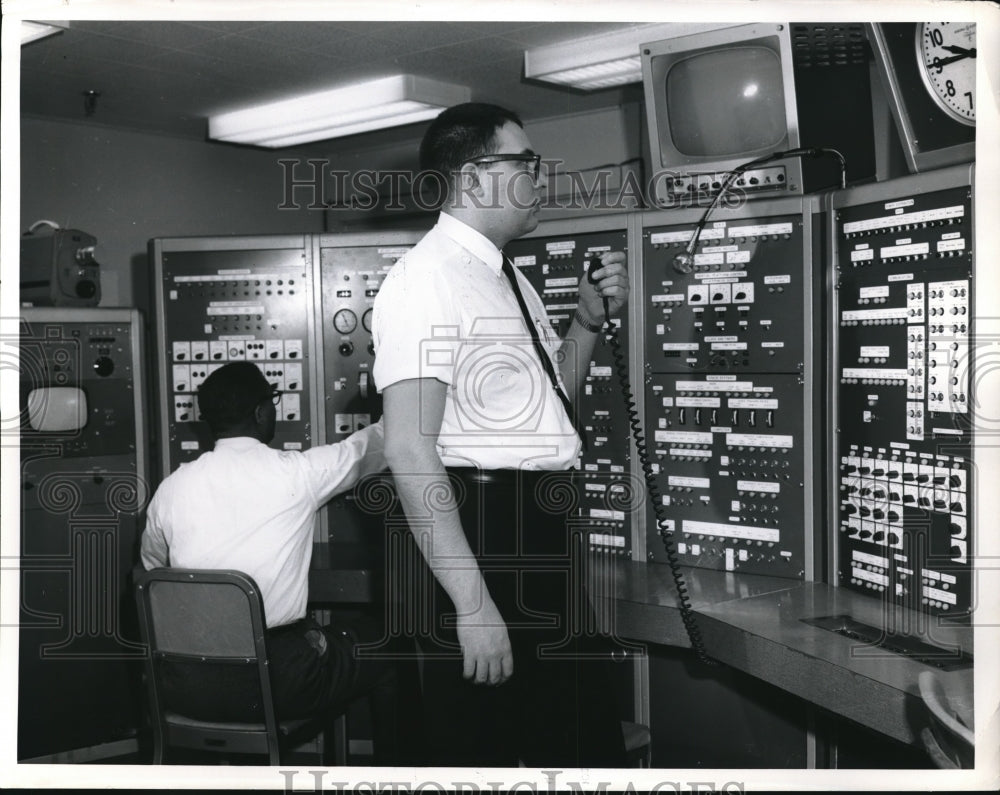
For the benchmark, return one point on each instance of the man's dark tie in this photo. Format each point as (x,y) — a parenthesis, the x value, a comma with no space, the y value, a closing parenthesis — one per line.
(543,355)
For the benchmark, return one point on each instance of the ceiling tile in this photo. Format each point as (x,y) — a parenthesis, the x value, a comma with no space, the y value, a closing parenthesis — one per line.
(499,28)
(558,32)
(488,52)
(159,34)
(368,28)
(191,66)
(408,37)
(298,35)
(167,76)
(99,25)
(63,52)
(430,64)
(360,49)
(228,26)
(236,49)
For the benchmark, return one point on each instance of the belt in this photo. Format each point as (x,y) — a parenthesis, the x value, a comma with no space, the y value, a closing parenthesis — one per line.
(299,626)
(506,477)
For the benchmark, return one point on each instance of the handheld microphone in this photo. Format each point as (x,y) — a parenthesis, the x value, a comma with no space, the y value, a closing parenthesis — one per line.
(591,267)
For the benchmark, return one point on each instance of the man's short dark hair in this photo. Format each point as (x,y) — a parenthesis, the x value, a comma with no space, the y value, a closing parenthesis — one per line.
(460,133)
(228,397)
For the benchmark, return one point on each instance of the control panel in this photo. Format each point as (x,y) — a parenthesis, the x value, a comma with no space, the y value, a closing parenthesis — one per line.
(79,381)
(726,398)
(554,259)
(84,471)
(904,379)
(351,273)
(729,456)
(352,269)
(736,307)
(222,300)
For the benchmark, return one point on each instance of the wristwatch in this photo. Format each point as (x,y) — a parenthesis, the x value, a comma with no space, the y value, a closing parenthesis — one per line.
(591,327)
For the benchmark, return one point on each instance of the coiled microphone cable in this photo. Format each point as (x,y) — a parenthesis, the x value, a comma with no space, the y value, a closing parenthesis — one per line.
(652,489)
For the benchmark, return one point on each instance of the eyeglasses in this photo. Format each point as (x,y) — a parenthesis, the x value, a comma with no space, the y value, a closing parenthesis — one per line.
(535,160)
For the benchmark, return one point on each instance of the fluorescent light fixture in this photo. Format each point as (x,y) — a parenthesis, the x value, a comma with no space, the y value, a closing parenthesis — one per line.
(32,31)
(603,61)
(374,105)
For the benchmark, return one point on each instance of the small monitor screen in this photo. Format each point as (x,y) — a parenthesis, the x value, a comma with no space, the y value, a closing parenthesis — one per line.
(726,102)
(57,409)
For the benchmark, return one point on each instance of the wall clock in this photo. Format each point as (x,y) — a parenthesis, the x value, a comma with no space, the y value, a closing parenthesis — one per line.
(928,71)
(946,58)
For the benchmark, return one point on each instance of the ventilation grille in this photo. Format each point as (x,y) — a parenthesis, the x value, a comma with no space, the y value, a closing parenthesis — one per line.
(828,44)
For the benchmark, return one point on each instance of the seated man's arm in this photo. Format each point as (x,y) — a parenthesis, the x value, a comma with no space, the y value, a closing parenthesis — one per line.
(336,468)
(153,551)
(413,410)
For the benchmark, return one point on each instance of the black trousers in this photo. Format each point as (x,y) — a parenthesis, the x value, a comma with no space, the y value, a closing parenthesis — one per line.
(558,708)
(315,671)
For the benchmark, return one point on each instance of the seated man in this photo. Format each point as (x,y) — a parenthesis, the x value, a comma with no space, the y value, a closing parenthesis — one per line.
(246,506)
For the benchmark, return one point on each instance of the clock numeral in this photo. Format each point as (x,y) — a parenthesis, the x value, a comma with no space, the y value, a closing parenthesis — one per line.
(950,87)
(968,96)
(937,65)
(937,39)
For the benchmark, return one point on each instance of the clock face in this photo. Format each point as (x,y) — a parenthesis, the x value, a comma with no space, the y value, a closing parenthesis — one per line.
(946,59)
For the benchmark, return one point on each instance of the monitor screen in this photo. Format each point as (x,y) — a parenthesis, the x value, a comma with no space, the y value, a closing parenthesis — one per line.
(57,409)
(726,102)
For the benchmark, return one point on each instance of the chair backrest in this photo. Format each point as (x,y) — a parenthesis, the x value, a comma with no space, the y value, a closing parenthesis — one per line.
(207,657)
(195,615)
(950,743)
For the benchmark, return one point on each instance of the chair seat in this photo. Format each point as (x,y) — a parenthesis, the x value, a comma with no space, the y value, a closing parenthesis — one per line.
(285,726)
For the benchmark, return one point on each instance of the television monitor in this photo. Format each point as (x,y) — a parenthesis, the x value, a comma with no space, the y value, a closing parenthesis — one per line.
(718,99)
(57,409)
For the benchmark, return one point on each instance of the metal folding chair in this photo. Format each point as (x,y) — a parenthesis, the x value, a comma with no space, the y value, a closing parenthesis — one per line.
(208,626)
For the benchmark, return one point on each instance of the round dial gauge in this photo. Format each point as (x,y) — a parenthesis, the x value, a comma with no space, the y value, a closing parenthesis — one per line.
(946,60)
(345,321)
(366,320)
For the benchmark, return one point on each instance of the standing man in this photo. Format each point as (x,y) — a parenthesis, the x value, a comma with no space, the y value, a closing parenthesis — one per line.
(248,507)
(478,412)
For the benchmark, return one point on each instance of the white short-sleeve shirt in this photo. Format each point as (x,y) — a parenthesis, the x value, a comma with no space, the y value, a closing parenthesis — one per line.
(446,311)
(249,507)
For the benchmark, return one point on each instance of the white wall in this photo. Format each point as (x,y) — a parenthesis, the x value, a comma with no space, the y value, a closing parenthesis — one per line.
(580,141)
(126,187)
